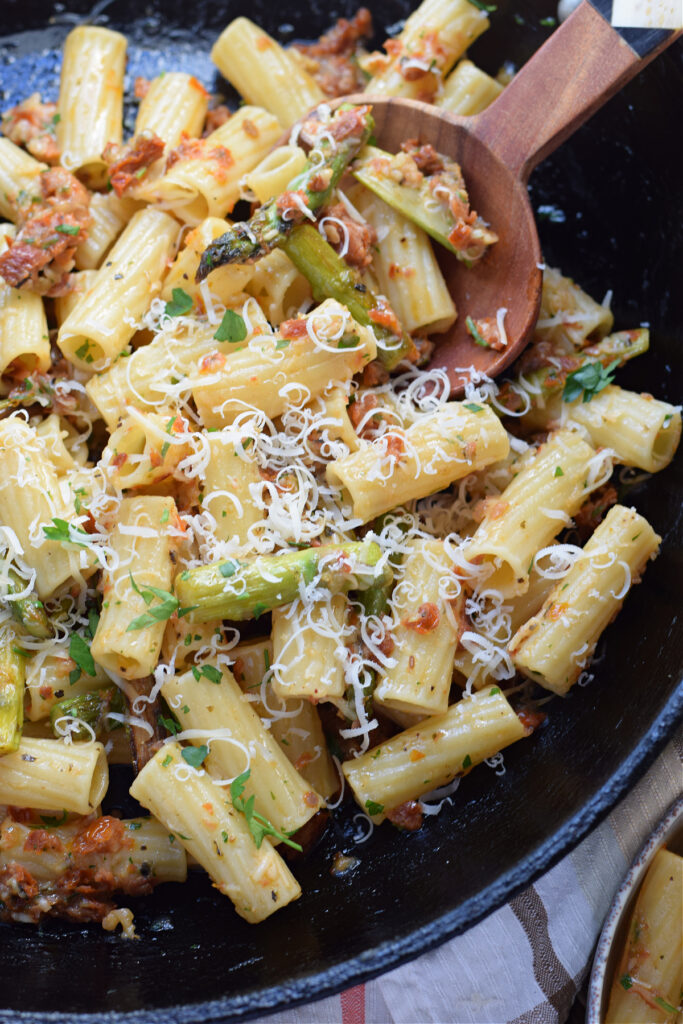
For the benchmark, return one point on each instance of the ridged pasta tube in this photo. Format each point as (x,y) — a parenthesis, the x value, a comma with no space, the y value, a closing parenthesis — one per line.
(309,645)
(54,776)
(98,329)
(19,172)
(425,636)
(468,90)
(434,36)
(265,74)
(431,753)
(443,446)
(224,720)
(532,510)
(142,543)
(272,373)
(24,339)
(554,646)
(90,99)
(109,215)
(175,105)
(200,814)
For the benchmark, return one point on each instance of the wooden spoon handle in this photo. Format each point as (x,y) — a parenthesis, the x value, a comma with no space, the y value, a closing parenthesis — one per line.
(579,68)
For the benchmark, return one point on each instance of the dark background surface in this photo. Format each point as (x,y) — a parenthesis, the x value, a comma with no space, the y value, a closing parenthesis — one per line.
(615,197)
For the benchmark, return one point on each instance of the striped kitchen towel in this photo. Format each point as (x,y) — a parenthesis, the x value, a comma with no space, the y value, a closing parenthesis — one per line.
(525,963)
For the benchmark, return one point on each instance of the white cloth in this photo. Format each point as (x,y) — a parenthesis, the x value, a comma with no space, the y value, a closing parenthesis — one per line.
(524,963)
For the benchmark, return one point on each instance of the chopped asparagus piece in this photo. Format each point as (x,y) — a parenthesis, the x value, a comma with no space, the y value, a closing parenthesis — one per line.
(11,696)
(90,708)
(29,610)
(336,144)
(331,278)
(437,202)
(245,589)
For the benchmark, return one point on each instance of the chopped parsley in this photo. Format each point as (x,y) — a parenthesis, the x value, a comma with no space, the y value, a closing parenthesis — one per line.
(80,653)
(67,229)
(180,305)
(166,761)
(494,690)
(232,327)
(64,532)
(590,379)
(228,568)
(373,808)
(257,824)
(169,724)
(558,471)
(210,672)
(54,822)
(549,22)
(483,7)
(194,756)
(168,604)
(626,981)
(473,407)
(467,763)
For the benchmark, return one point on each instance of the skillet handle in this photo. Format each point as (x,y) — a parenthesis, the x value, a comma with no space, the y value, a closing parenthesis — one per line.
(582,65)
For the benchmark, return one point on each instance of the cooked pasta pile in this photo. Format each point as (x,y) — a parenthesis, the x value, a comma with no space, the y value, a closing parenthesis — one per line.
(246,539)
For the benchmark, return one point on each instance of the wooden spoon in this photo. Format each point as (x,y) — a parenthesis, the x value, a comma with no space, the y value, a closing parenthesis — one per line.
(579,68)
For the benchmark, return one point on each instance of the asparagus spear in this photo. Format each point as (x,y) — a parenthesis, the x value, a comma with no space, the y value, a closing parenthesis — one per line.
(29,611)
(239,590)
(337,143)
(91,709)
(331,278)
(11,695)
(439,203)
(623,345)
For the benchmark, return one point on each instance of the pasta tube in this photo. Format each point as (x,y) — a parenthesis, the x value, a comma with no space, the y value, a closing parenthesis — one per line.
(145,449)
(555,645)
(407,270)
(434,36)
(200,814)
(30,497)
(640,430)
(569,315)
(468,90)
(425,636)
(103,322)
(24,340)
(221,717)
(229,477)
(175,105)
(109,215)
(202,177)
(11,694)
(431,753)
(19,173)
(309,647)
(298,730)
(54,776)
(264,73)
(272,373)
(90,99)
(272,176)
(443,446)
(648,981)
(128,636)
(533,509)
(48,680)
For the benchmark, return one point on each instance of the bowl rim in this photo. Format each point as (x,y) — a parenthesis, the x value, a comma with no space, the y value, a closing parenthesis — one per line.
(627,891)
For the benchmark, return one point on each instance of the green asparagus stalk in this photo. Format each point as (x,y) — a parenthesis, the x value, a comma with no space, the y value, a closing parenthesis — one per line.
(331,278)
(245,589)
(416,202)
(90,708)
(327,161)
(623,345)
(11,696)
(29,610)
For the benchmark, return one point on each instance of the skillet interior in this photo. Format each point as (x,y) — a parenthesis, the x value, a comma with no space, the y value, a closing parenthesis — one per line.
(614,190)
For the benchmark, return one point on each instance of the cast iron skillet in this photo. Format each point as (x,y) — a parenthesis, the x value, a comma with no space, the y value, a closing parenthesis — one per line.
(613,196)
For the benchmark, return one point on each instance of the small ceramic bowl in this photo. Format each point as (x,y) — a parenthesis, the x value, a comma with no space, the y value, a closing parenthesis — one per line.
(669,833)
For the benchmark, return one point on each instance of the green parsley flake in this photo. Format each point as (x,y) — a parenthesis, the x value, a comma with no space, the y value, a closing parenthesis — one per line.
(257,824)
(473,407)
(589,379)
(373,808)
(180,304)
(558,471)
(80,653)
(194,756)
(467,763)
(67,229)
(232,328)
